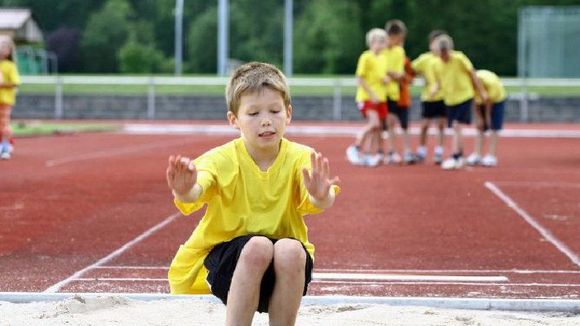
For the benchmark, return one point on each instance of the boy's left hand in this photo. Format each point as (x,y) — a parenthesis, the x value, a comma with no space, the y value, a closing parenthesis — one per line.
(317,181)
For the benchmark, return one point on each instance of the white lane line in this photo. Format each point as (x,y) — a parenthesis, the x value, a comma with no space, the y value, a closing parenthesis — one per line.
(387,271)
(351,282)
(528,218)
(114,152)
(403,277)
(539,184)
(56,287)
(322,130)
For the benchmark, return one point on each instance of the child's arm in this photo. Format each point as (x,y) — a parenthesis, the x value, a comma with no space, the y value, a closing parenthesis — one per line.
(318,182)
(182,179)
(477,85)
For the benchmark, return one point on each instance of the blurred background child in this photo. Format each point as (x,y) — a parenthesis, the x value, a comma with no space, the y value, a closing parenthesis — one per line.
(488,115)
(9,81)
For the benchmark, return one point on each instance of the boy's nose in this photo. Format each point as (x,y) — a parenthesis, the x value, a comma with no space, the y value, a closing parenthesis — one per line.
(266,122)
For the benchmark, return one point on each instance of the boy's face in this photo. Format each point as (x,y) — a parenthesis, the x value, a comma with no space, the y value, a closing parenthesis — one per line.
(378,44)
(262,119)
(4,49)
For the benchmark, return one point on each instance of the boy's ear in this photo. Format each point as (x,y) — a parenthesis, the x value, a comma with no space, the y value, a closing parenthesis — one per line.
(288,114)
(233,120)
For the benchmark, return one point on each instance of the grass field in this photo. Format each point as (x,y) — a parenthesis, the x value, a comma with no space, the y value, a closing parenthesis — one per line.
(37,128)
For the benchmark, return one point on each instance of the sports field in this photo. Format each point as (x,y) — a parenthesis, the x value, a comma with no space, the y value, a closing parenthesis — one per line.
(91,212)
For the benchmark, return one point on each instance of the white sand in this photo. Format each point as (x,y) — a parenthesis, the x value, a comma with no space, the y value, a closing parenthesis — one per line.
(117,310)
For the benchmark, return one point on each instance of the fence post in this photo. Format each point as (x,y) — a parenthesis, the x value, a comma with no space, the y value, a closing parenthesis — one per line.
(524,101)
(151,99)
(337,100)
(58,99)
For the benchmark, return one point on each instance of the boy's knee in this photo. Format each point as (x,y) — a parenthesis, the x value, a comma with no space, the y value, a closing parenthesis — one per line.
(289,256)
(258,252)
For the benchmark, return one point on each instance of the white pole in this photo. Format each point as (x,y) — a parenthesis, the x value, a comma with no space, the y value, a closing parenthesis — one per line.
(223,29)
(288,26)
(178,36)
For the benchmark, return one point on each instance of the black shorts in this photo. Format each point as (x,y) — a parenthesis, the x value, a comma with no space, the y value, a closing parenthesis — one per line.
(402,113)
(433,110)
(221,263)
(460,113)
(496,116)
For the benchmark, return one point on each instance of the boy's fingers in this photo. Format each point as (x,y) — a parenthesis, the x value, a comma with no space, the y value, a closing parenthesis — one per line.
(335,180)
(306,175)
(325,168)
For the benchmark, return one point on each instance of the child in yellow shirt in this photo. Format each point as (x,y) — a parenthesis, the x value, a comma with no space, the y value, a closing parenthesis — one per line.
(9,81)
(251,247)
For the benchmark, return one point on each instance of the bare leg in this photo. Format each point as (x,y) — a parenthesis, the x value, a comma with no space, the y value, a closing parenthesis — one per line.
(424,128)
(479,142)
(289,266)
(392,134)
(245,288)
(457,138)
(493,142)
(441,126)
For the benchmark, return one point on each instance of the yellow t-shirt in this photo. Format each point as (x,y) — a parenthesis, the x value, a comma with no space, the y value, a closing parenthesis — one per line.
(492,85)
(372,69)
(456,79)
(428,66)
(10,75)
(395,61)
(241,199)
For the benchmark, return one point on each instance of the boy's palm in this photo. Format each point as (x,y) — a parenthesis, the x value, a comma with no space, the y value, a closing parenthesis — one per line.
(181,174)
(317,181)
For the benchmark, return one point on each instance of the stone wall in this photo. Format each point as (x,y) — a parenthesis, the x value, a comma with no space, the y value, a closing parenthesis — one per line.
(214,108)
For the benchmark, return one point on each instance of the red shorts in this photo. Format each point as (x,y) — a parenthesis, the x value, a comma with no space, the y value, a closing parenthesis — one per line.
(380,108)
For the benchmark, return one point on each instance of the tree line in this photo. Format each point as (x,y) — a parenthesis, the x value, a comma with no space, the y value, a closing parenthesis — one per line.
(137,36)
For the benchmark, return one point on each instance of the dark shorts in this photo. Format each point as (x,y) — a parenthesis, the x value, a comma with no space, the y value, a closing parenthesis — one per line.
(460,113)
(221,263)
(496,116)
(433,110)
(402,113)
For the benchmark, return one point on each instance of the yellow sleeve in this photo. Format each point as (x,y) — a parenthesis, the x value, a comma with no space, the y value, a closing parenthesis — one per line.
(361,66)
(466,63)
(418,64)
(13,75)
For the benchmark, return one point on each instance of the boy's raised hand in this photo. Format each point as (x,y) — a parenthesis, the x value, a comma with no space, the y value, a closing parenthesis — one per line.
(181,174)
(317,181)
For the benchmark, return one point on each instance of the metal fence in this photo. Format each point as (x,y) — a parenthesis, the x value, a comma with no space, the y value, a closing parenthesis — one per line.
(523,88)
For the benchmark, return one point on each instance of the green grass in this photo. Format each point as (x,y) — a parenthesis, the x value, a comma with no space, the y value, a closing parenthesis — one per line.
(38,128)
(218,90)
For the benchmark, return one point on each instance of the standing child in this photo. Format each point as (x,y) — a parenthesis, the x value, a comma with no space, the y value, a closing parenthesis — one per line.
(404,105)
(9,81)
(488,115)
(458,82)
(251,247)
(395,59)
(433,108)
(370,98)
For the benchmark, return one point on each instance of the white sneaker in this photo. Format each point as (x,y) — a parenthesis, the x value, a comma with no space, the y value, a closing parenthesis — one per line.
(489,161)
(409,158)
(392,158)
(421,154)
(473,159)
(373,160)
(5,156)
(438,158)
(452,164)
(353,156)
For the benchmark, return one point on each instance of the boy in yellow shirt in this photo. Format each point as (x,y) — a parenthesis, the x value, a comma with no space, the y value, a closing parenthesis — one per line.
(370,98)
(433,108)
(395,60)
(458,82)
(488,115)
(251,247)
(9,81)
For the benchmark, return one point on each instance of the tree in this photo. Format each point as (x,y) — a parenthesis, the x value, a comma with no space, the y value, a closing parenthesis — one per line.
(202,43)
(107,30)
(328,38)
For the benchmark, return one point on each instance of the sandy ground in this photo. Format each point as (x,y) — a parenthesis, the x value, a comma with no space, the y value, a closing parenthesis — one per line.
(117,310)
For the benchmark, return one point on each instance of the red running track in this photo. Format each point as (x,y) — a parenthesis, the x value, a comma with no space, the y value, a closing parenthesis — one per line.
(81,213)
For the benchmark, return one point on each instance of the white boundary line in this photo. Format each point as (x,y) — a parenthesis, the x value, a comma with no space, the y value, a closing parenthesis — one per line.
(113,152)
(56,287)
(539,184)
(322,130)
(528,218)
(338,270)
(546,305)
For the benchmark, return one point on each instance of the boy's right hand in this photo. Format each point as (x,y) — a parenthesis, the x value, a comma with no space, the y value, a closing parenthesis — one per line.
(181,174)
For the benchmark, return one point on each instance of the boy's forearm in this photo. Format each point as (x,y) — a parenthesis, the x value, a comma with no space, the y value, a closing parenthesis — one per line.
(325,203)
(191,196)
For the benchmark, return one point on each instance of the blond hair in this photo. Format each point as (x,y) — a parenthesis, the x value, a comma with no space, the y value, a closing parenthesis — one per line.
(374,34)
(444,42)
(254,77)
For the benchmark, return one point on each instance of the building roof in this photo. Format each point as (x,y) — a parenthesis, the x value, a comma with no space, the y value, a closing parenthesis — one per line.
(20,25)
